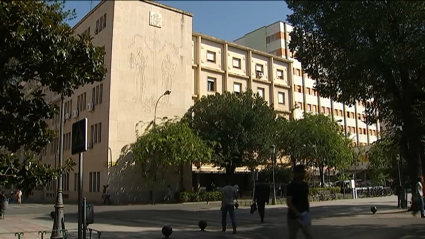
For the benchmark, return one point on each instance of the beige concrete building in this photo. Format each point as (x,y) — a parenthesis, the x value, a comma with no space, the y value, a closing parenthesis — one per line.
(151,48)
(274,39)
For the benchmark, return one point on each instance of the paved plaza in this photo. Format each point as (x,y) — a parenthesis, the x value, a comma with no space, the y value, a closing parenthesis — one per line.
(332,219)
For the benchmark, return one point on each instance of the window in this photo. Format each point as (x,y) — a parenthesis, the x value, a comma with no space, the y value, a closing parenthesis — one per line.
(281,98)
(87,31)
(299,89)
(75,182)
(96,133)
(97,94)
(97,28)
(259,68)
(260,92)
(68,107)
(94,182)
(104,21)
(298,72)
(210,56)
(279,74)
(65,182)
(211,84)
(237,88)
(309,108)
(271,38)
(236,63)
(67,141)
(100,24)
(323,109)
(81,102)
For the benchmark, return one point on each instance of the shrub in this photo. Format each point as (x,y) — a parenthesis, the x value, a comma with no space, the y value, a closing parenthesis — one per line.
(331,190)
(201,196)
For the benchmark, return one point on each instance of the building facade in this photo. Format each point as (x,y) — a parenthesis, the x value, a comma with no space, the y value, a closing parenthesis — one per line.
(275,39)
(143,62)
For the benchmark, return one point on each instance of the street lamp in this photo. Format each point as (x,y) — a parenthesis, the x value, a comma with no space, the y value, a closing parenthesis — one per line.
(273,157)
(59,221)
(167,92)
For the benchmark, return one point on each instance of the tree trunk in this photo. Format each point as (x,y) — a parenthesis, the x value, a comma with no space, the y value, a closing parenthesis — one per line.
(182,189)
(322,175)
(230,171)
(413,158)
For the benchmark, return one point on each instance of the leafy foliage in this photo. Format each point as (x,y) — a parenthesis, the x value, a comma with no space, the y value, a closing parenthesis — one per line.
(384,156)
(40,52)
(172,143)
(316,139)
(242,125)
(30,172)
(368,51)
(283,174)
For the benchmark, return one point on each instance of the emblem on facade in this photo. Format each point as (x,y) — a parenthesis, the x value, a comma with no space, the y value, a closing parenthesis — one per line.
(155,19)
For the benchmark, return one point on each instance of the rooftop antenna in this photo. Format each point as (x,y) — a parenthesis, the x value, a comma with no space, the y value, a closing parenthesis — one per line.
(91,4)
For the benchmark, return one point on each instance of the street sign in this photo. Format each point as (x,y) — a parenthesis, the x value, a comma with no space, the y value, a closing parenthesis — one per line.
(79,136)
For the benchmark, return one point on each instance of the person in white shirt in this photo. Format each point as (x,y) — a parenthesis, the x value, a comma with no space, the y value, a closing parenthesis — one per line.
(420,195)
(228,196)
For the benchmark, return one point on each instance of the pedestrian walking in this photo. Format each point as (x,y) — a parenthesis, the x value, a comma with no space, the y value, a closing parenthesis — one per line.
(419,196)
(107,196)
(298,205)
(261,197)
(169,194)
(19,196)
(229,194)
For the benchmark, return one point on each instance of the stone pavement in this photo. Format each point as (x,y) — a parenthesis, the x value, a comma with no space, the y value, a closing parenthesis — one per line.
(346,219)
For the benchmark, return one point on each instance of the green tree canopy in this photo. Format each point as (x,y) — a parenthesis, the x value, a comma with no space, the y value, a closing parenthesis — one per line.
(172,143)
(242,125)
(368,51)
(383,159)
(317,140)
(39,52)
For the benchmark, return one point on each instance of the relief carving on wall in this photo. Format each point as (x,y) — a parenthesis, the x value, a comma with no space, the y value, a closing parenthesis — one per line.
(150,84)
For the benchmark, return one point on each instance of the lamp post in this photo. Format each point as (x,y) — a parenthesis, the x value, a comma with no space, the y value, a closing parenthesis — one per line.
(273,157)
(167,92)
(59,222)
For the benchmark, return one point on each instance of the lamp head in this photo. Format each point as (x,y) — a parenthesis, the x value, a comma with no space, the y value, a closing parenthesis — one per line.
(167,92)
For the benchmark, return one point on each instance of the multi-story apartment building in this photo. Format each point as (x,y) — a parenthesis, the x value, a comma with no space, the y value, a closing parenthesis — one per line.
(274,39)
(151,48)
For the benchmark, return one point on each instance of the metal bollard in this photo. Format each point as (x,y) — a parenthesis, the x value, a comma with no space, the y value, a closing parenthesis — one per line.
(19,234)
(42,233)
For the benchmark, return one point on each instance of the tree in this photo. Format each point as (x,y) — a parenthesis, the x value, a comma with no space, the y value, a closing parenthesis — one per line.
(317,140)
(170,144)
(242,125)
(367,51)
(383,159)
(40,52)
(28,173)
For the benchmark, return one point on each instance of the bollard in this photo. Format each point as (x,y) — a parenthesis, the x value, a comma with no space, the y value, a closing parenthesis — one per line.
(167,231)
(202,224)
(373,209)
(42,233)
(19,234)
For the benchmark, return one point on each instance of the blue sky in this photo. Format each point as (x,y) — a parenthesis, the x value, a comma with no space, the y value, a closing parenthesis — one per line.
(227,20)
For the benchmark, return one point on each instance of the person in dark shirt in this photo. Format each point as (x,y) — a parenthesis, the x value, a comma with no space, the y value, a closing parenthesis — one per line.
(261,197)
(297,201)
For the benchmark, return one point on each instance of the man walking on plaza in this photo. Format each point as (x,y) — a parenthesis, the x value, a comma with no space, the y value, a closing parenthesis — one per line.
(261,197)
(228,196)
(298,205)
(419,196)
